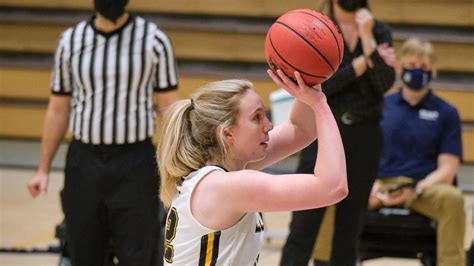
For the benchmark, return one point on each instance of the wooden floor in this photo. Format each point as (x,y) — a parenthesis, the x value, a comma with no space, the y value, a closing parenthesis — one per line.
(27,223)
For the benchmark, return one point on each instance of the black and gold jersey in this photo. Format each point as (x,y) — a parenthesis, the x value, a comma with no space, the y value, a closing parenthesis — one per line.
(190,243)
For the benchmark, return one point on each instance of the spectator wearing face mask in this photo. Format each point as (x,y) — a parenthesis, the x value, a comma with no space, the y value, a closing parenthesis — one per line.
(422,147)
(108,73)
(355,96)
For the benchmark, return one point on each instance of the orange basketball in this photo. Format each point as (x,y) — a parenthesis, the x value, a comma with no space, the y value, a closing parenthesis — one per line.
(306,41)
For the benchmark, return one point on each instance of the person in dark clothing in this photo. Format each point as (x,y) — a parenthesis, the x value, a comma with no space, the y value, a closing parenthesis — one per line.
(355,95)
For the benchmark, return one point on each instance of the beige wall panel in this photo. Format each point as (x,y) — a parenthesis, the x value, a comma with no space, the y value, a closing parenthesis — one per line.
(432,12)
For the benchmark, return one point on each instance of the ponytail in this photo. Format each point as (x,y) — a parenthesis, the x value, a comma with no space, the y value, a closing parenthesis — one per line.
(174,158)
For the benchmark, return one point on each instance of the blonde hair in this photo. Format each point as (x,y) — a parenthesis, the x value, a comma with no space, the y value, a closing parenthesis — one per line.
(418,47)
(192,132)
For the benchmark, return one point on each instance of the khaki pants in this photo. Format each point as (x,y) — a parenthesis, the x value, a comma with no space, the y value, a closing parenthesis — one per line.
(443,203)
(322,247)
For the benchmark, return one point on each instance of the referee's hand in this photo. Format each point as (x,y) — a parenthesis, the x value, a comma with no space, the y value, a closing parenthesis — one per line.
(38,184)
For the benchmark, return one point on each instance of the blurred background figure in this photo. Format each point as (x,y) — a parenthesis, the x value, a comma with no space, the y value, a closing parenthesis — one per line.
(355,95)
(423,148)
(106,72)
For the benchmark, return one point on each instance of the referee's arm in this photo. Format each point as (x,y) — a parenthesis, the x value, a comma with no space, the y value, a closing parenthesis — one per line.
(54,129)
(57,118)
(164,99)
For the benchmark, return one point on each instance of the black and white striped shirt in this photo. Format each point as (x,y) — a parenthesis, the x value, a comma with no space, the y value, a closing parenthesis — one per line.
(111,78)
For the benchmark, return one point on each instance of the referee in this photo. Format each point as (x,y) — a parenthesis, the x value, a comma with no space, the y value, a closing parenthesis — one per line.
(107,71)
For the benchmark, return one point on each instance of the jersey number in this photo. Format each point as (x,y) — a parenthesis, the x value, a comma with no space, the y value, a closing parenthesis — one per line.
(171,224)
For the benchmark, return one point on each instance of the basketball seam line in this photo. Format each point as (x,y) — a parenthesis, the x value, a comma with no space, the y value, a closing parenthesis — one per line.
(322,21)
(302,37)
(281,57)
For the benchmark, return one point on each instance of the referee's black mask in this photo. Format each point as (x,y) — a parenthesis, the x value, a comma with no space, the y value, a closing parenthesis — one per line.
(110,9)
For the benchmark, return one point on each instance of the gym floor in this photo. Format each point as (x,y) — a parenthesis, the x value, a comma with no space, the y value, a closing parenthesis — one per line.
(27,224)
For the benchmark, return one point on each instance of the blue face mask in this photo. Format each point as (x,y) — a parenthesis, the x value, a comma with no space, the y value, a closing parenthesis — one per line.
(416,79)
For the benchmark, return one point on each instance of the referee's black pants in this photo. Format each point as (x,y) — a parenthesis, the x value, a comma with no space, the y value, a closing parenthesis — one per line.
(362,146)
(110,198)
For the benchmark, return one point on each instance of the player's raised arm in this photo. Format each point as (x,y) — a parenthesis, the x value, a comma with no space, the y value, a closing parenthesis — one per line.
(257,191)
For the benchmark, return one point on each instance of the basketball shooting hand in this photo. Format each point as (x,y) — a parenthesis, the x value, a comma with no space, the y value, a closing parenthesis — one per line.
(311,96)
(388,54)
(38,184)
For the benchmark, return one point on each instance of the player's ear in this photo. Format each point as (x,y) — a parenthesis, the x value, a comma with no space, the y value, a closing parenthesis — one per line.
(226,134)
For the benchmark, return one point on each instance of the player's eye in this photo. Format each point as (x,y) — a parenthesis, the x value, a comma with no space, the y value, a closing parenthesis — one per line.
(257,117)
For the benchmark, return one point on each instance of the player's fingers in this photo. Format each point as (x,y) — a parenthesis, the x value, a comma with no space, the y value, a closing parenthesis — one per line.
(283,76)
(276,79)
(299,80)
(291,85)
(271,73)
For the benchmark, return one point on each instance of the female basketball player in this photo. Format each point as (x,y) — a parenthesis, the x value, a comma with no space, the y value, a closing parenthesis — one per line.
(212,146)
